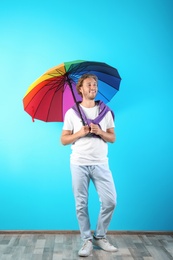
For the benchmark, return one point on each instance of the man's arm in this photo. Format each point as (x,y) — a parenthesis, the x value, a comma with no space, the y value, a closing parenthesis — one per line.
(68,137)
(108,136)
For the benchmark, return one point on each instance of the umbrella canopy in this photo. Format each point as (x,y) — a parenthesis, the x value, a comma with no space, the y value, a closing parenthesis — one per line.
(52,94)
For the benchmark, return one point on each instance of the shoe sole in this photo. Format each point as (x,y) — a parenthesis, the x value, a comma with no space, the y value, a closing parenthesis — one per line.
(84,255)
(111,251)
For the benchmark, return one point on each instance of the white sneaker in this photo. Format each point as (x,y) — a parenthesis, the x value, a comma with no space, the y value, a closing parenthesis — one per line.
(86,249)
(104,244)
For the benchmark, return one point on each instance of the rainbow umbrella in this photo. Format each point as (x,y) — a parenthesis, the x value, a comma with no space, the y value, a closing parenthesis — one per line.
(53,93)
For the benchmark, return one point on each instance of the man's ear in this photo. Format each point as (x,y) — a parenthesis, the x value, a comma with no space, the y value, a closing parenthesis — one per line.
(80,90)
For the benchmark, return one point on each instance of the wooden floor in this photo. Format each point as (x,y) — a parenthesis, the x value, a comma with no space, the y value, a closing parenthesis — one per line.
(66,246)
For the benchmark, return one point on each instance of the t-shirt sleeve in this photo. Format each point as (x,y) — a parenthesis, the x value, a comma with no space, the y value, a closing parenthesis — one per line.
(68,124)
(110,120)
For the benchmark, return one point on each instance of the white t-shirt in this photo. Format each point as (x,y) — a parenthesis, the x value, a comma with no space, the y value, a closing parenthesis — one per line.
(88,150)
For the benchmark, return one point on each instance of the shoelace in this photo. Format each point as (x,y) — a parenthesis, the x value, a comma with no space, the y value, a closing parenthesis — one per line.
(106,241)
(85,244)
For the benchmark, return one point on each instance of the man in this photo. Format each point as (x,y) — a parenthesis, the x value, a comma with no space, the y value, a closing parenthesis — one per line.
(89,161)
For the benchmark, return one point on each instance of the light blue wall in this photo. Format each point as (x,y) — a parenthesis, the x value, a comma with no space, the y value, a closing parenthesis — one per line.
(136,38)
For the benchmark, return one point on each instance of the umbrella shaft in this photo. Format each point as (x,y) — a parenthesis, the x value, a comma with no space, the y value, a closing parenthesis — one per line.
(77,104)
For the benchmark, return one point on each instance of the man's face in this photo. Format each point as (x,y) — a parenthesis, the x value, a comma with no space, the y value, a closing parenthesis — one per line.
(89,88)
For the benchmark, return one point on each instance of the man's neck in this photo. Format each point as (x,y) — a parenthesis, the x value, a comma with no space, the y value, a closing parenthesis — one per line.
(88,103)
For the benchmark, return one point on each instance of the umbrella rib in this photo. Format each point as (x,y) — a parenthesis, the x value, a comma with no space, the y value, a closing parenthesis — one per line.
(58,72)
(59,87)
(108,99)
(55,90)
(103,96)
(50,105)
(75,75)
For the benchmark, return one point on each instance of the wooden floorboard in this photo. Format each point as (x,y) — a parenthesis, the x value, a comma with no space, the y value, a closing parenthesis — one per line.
(65,247)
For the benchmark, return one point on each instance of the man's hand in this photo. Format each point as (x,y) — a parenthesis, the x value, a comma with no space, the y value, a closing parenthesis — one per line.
(84,130)
(108,136)
(67,137)
(95,129)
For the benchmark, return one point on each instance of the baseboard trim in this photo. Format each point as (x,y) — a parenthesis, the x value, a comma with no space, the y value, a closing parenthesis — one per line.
(76,232)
